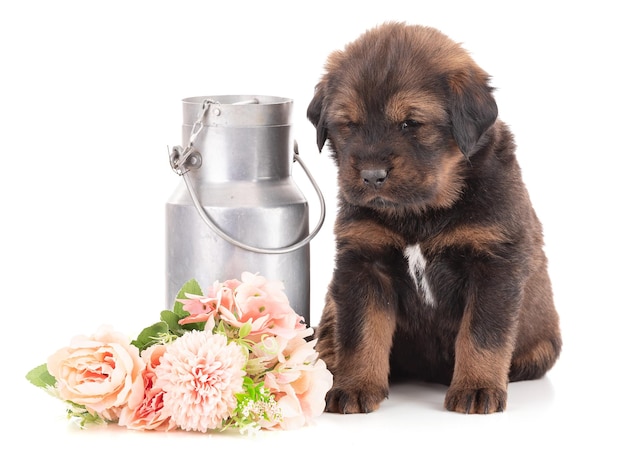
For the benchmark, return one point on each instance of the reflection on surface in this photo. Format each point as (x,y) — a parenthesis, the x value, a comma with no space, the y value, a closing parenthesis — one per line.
(529,395)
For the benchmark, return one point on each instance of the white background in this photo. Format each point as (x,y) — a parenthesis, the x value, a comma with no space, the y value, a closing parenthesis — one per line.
(90,99)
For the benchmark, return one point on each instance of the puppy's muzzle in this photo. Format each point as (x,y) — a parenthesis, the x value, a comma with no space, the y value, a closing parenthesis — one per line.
(374,177)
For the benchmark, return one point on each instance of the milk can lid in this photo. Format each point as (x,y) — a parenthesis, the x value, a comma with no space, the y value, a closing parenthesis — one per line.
(238,110)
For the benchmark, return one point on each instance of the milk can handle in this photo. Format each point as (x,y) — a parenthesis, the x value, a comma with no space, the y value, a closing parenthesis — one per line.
(209,221)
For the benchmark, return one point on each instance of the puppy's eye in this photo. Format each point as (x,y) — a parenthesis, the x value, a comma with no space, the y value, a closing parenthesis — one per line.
(408,124)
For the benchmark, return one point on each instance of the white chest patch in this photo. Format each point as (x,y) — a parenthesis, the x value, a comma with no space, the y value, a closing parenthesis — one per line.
(417,269)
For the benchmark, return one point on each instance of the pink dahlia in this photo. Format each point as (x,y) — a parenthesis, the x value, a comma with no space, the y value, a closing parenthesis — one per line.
(200,373)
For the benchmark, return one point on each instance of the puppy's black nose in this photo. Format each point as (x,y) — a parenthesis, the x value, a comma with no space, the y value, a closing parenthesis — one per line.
(374,177)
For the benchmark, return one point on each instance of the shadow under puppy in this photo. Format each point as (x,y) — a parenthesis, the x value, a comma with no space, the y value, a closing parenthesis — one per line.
(440,271)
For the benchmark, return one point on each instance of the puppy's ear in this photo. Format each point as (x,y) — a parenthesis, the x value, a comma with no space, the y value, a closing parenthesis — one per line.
(317,114)
(473,108)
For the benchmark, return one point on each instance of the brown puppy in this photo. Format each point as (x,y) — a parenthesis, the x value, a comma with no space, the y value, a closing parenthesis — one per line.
(440,271)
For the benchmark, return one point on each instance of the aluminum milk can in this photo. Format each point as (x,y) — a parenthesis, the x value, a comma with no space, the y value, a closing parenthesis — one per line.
(237,208)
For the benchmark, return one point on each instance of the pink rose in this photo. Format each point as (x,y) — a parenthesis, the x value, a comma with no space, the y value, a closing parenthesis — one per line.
(299,383)
(99,372)
(264,306)
(145,407)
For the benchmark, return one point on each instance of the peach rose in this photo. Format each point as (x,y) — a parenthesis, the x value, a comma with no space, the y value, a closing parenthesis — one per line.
(144,409)
(299,383)
(99,372)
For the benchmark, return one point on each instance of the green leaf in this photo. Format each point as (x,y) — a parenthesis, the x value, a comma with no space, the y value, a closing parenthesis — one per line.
(245,329)
(40,377)
(194,326)
(178,310)
(171,319)
(150,335)
(79,415)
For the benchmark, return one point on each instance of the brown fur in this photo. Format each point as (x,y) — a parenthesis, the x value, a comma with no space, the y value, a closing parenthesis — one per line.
(427,172)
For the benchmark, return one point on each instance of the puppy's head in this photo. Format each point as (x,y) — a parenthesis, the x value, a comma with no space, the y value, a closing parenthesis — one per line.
(403,109)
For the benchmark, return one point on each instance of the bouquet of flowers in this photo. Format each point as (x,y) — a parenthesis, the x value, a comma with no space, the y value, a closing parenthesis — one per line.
(236,357)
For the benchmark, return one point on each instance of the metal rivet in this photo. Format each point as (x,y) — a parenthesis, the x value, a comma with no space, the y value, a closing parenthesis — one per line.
(194,161)
(217,112)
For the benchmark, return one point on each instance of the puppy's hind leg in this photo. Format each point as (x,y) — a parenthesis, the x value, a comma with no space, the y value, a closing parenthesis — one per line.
(536,361)
(539,341)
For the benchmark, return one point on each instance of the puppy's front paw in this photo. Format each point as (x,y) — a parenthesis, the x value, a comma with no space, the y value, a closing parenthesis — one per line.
(361,400)
(476,400)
